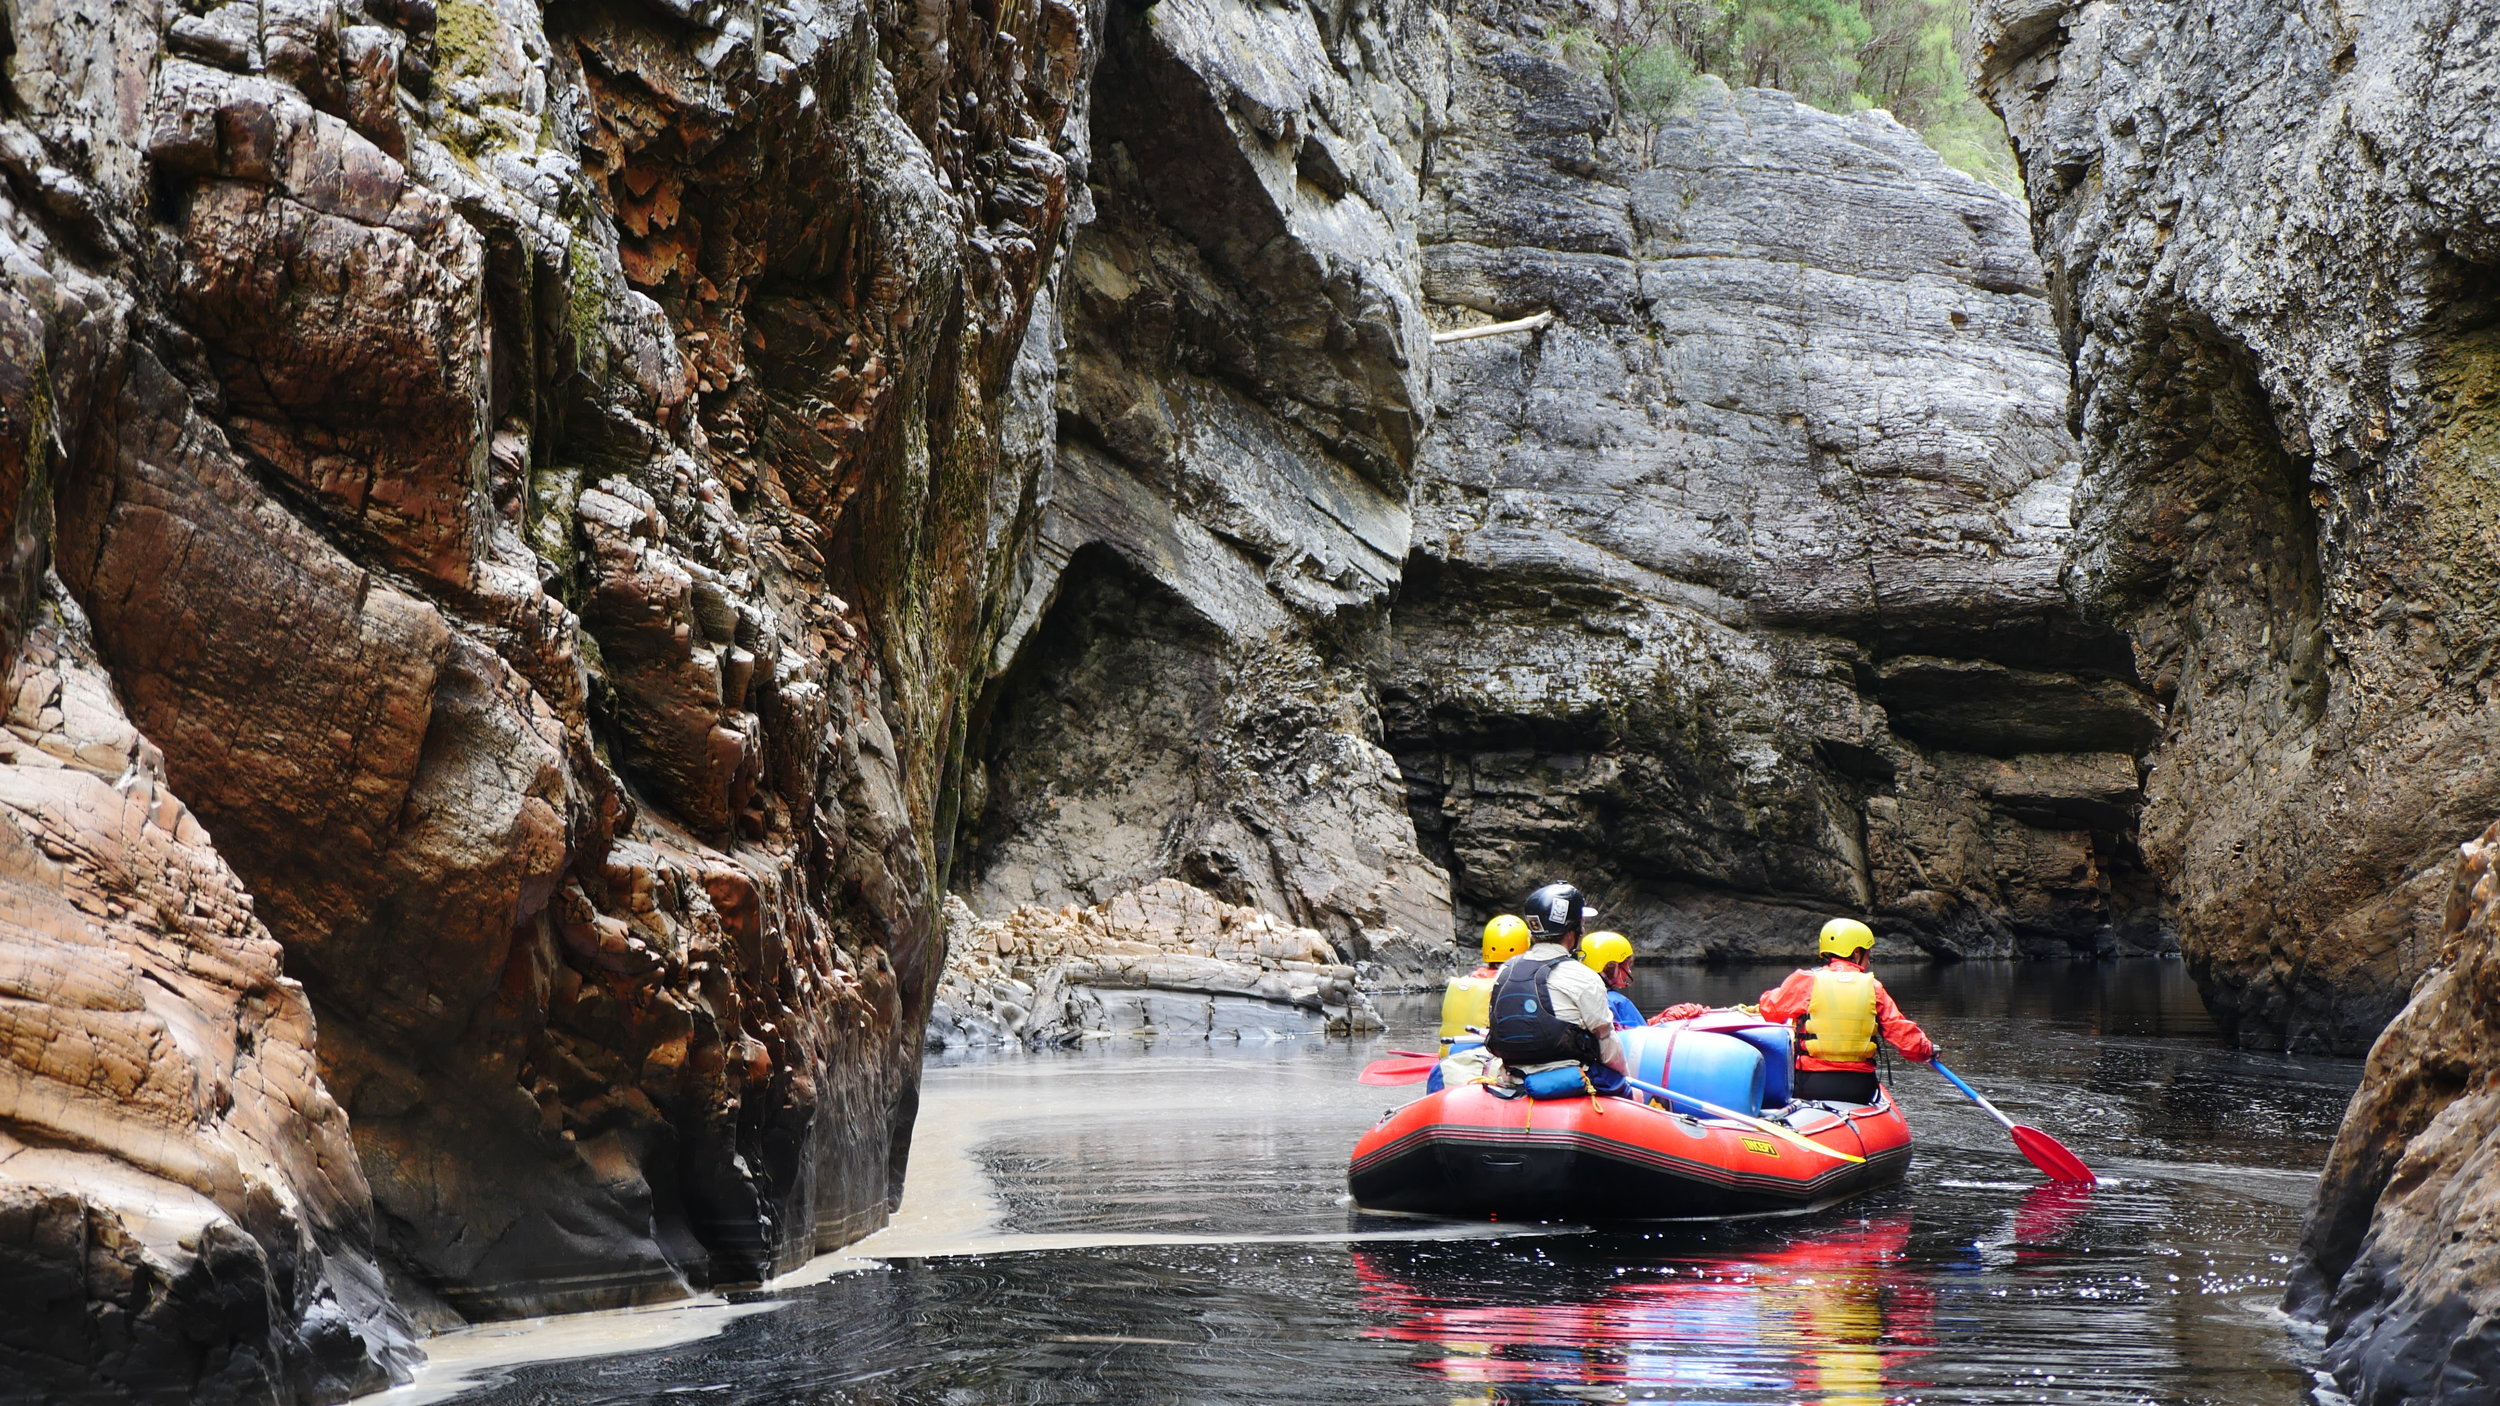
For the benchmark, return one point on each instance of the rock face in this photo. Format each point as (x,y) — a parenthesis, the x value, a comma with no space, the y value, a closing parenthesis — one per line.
(1166,961)
(1184,689)
(542,480)
(1736,592)
(2268,235)
(2268,232)
(2396,1257)
(182,1214)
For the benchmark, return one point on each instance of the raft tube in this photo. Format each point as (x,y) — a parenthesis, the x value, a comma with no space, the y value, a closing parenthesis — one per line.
(1468,1152)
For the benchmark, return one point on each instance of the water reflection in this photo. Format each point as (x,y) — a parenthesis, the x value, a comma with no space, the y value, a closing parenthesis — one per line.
(1111,1225)
(1827,1320)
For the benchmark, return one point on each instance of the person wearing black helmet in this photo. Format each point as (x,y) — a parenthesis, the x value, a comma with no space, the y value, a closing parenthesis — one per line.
(1550,1012)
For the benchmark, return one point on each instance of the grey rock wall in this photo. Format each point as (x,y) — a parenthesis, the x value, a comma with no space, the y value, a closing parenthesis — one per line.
(2268,235)
(1737,592)
(1183,688)
(2269,231)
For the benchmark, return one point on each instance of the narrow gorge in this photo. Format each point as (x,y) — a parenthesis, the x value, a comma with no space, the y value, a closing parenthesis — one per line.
(585,581)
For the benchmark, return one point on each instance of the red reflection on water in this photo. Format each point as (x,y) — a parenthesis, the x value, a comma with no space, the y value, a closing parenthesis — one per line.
(2047,1211)
(1828,1320)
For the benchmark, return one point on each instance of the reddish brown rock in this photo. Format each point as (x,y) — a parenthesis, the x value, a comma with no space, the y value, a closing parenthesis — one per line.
(182,1215)
(544,481)
(342,308)
(2395,1259)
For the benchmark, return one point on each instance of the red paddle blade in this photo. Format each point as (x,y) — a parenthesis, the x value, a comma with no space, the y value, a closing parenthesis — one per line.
(2051,1156)
(1410,1069)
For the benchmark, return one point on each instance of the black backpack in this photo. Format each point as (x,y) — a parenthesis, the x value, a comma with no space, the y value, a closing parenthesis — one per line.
(1524,1027)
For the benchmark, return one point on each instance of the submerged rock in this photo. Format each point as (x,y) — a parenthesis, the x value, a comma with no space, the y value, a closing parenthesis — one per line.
(1168,961)
(1736,592)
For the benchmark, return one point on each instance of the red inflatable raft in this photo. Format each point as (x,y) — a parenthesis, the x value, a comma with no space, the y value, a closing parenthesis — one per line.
(1467,1152)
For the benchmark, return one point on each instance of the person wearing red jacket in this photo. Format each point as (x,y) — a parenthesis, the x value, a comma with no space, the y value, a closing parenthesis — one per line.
(1837,1008)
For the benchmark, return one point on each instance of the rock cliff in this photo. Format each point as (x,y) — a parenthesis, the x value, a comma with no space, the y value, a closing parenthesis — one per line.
(2267,232)
(2396,1256)
(1183,688)
(539,481)
(1737,591)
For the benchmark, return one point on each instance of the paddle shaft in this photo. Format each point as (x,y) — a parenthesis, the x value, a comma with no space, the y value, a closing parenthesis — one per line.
(1732,1115)
(2043,1151)
(1970,1093)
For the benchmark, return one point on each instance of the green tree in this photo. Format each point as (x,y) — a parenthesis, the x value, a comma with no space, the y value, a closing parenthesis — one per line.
(1901,55)
(1806,47)
(1638,48)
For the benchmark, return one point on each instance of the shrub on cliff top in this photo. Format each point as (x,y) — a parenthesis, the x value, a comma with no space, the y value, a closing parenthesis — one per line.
(1904,56)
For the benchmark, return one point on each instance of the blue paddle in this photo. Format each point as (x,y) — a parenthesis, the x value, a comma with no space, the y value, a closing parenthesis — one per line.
(2045,1152)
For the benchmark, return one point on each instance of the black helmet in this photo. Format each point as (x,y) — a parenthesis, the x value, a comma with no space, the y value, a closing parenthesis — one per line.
(1555,912)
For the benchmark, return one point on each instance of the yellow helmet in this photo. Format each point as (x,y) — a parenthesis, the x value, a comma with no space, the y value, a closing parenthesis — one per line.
(1844,936)
(1504,938)
(1600,950)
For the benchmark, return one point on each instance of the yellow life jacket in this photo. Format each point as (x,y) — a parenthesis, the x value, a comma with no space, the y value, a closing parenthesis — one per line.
(1840,1017)
(1467,1002)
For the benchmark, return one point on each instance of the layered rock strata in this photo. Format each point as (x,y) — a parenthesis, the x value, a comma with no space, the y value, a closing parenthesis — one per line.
(2267,232)
(541,479)
(1167,961)
(183,1216)
(1183,685)
(1736,591)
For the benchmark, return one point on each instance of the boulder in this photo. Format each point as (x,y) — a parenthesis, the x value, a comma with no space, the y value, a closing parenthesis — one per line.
(1168,961)
(2395,1257)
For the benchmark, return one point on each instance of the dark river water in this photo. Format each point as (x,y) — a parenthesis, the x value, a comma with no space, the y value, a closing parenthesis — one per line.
(1126,1225)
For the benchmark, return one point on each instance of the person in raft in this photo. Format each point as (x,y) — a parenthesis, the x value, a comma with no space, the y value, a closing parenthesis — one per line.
(1551,1027)
(1837,1008)
(1504,938)
(1466,1003)
(1609,954)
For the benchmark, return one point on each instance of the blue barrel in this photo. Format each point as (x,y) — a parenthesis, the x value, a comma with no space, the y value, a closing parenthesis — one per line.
(1779,1060)
(1723,1069)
